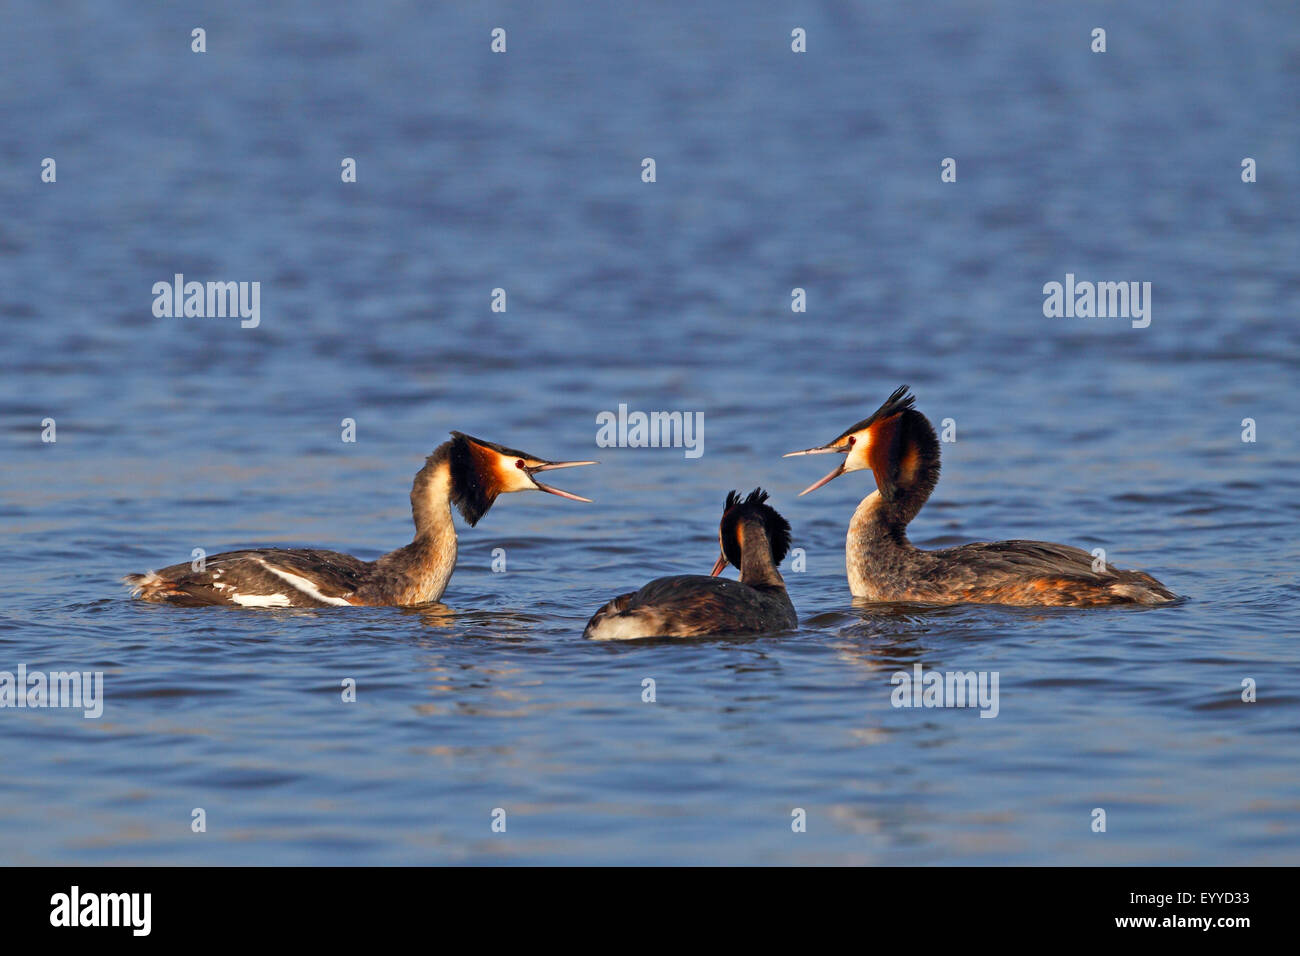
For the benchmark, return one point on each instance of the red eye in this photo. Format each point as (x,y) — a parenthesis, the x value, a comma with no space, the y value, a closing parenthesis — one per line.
(519,463)
(852,440)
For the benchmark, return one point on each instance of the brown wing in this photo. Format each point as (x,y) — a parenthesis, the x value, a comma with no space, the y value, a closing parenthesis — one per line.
(272,577)
(693,604)
(1032,573)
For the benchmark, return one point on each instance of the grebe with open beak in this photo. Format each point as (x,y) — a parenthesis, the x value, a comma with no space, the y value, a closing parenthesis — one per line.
(753,538)
(898,444)
(467,472)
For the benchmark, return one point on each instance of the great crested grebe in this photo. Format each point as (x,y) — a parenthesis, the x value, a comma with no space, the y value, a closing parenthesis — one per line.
(898,444)
(467,472)
(753,538)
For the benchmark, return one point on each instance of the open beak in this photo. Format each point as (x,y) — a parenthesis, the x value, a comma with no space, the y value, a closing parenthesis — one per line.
(717,568)
(842,449)
(551,466)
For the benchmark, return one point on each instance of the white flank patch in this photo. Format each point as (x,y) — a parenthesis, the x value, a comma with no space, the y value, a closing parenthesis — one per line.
(306,586)
(261,600)
(623,627)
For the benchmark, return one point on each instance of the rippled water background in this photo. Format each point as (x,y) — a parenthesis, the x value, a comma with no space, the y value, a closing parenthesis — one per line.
(523,171)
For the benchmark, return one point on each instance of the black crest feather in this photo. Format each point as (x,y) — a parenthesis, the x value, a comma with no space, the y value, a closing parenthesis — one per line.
(753,507)
(900,401)
(472,491)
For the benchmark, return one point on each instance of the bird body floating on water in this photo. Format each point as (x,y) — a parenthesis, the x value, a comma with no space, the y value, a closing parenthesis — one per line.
(898,444)
(466,472)
(753,538)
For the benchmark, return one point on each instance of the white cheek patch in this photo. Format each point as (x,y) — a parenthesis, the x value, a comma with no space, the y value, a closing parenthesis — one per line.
(857,457)
(512,478)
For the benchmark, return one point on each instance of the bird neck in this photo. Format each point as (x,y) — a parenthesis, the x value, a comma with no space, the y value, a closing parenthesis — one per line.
(419,572)
(756,565)
(878,524)
(877,541)
(894,516)
(431,501)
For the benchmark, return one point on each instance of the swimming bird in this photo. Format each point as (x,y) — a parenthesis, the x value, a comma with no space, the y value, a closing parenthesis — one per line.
(465,471)
(899,445)
(753,538)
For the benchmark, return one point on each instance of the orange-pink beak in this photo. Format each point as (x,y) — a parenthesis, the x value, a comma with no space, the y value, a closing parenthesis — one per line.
(841,449)
(551,466)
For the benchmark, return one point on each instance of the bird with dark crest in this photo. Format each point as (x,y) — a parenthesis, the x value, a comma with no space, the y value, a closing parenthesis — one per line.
(899,446)
(466,472)
(753,538)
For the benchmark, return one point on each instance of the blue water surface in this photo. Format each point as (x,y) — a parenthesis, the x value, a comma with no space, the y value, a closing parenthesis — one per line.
(523,171)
